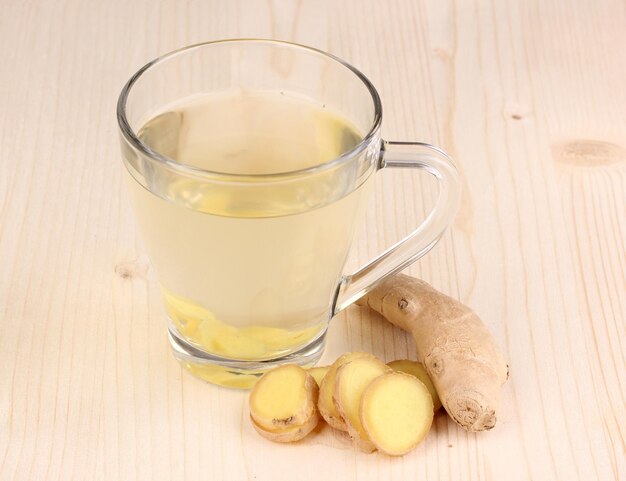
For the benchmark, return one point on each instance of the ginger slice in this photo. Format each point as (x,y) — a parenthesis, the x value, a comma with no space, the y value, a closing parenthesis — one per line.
(352,379)
(290,434)
(396,412)
(284,401)
(326,404)
(318,373)
(417,369)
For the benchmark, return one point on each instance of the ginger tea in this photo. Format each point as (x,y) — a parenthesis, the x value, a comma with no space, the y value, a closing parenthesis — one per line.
(248,269)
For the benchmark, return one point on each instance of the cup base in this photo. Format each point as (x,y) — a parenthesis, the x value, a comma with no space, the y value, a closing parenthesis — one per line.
(238,374)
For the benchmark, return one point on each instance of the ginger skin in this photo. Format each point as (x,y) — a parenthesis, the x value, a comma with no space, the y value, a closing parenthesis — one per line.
(288,435)
(458,352)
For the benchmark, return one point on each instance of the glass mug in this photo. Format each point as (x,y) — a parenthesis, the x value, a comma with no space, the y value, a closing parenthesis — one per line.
(250,252)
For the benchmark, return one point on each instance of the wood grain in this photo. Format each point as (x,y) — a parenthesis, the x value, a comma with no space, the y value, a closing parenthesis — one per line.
(527,96)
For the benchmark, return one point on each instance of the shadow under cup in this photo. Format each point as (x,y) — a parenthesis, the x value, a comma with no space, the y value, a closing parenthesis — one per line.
(251,265)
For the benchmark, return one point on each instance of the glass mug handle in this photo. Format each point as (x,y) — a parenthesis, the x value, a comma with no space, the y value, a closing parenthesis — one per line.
(437,163)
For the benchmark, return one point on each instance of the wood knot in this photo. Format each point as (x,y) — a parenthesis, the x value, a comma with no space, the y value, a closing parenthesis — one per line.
(129,270)
(516,111)
(442,53)
(588,153)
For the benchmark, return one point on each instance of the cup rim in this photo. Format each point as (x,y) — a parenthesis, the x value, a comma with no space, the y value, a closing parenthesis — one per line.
(131,137)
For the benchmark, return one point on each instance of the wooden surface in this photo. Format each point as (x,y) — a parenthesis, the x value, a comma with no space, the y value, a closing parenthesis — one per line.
(530,99)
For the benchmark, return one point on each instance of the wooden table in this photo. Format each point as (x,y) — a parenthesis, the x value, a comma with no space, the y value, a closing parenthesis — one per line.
(530,99)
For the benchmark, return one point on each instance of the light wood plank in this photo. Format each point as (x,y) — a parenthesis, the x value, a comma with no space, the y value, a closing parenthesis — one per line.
(528,97)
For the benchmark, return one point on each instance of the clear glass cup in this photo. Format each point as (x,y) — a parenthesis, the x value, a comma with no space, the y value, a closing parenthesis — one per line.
(288,287)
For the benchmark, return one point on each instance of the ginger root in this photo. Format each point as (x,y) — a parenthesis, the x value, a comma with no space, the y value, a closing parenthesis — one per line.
(396,412)
(326,403)
(458,352)
(351,382)
(283,404)
(417,370)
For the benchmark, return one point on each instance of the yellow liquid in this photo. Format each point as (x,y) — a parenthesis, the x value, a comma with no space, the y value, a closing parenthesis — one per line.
(249,272)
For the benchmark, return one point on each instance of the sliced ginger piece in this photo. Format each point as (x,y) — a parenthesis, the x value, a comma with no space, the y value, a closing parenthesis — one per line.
(290,434)
(284,401)
(396,412)
(318,373)
(352,379)
(326,404)
(417,369)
